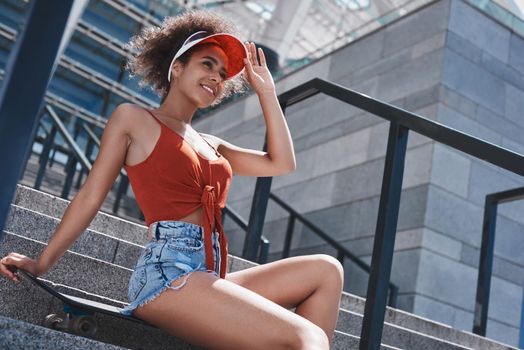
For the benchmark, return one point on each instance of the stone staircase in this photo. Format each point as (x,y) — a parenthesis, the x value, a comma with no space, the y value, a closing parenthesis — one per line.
(98,266)
(53,181)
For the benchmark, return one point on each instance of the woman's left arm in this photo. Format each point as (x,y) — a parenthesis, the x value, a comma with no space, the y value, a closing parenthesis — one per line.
(280,156)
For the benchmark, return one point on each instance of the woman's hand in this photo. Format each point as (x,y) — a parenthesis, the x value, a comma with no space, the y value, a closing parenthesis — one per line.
(257,74)
(13,261)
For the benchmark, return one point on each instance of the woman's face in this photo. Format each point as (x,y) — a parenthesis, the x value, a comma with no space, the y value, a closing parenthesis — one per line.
(202,79)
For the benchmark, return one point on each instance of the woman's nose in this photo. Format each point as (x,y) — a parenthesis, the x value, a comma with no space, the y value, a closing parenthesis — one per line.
(216,76)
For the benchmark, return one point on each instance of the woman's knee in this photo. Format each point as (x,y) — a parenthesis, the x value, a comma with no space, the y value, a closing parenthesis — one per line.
(310,337)
(331,268)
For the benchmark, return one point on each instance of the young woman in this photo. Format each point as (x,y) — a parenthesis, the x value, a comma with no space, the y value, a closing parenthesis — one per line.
(180,179)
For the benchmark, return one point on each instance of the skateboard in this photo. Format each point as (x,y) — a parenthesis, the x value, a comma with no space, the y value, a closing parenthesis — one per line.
(80,313)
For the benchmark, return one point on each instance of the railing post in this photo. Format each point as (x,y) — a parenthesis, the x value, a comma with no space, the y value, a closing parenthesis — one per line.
(393,293)
(257,215)
(382,258)
(258,211)
(256,218)
(89,150)
(70,171)
(485,267)
(264,252)
(289,236)
(44,157)
(30,152)
(122,188)
(341,257)
(54,148)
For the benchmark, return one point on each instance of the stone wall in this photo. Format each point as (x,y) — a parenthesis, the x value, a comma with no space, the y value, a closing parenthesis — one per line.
(448,62)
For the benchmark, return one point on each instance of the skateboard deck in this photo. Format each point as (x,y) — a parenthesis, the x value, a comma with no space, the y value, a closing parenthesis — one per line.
(80,312)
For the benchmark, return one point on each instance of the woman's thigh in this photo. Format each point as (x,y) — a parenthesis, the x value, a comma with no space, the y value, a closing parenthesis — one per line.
(289,281)
(219,314)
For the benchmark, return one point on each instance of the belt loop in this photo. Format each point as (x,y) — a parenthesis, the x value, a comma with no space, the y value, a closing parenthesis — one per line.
(157,232)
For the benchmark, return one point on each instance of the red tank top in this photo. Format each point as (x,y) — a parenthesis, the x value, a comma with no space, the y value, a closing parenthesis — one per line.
(175,180)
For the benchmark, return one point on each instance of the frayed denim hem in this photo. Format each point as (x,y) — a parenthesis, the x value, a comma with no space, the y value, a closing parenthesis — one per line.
(128,310)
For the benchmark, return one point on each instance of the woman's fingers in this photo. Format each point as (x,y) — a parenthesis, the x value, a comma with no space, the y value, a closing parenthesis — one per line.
(252,54)
(11,261)
(262,56)
(249,66)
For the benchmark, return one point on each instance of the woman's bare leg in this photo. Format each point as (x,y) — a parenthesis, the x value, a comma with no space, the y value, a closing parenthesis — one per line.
(219,314)
(313,284)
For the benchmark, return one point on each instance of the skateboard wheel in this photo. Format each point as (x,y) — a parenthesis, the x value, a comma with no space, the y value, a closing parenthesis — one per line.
(52,321)
(85,326)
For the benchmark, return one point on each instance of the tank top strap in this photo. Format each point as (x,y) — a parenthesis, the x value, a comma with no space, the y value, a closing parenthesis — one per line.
(158,120)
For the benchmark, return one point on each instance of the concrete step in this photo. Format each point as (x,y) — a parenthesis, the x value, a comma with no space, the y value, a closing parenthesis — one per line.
(54,206)
(394,335)
(110,246)
(25,302)
(53,182)
(74,270)
(92,243)
(15,334)
(423,325)
(111,249)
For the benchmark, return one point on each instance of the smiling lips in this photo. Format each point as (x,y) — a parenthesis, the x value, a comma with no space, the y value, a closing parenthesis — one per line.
(208,89)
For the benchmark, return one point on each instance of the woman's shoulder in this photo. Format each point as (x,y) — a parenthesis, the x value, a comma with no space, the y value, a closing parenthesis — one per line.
(128,115)
(129,110)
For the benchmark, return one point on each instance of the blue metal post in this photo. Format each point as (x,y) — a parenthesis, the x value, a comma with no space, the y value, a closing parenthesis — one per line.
(382,258)
(256,217)
(480,320)
(258,212)
(28,71)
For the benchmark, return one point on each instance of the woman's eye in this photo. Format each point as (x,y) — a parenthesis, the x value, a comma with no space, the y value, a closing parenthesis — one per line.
(210,65)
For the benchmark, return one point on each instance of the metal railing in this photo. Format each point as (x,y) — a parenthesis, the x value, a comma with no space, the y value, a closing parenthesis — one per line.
(75,155)
(237,219)
(486,254)
(401,122)
(342,252)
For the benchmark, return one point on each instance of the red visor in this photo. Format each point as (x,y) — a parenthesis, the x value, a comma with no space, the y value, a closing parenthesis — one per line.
(232,46)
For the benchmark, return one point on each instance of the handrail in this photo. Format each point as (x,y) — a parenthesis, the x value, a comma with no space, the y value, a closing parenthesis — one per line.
(96,140)
(75,110)
(264,248)
(486,254)
(78,155)
(84,162)
(339,247)
(401,122)
(236,217)
(73,147)
(464,142)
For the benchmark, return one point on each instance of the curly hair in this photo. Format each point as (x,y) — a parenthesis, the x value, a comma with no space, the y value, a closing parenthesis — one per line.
(154,48)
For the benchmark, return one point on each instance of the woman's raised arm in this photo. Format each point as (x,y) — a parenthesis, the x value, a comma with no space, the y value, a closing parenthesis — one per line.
(84,206)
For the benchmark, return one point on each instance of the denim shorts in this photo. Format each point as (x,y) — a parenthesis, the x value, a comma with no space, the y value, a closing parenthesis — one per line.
(176,250)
